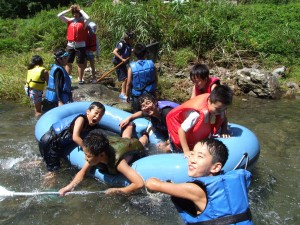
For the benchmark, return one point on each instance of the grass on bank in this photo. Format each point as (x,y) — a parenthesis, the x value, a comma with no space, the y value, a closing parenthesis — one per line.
(216,32)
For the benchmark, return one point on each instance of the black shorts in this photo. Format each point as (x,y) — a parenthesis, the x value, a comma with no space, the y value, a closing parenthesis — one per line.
(80,54)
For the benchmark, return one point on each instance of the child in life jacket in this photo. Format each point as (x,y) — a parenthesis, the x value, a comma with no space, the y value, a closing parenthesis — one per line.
(92,46)
(210,196)
(203,83)
(37,77)
(157,112)
(142,76)
(199,118)
(114,154)
(122,53)
(67,132)
(59,90)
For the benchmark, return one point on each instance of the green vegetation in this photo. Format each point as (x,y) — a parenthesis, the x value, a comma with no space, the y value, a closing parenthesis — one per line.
(216,31)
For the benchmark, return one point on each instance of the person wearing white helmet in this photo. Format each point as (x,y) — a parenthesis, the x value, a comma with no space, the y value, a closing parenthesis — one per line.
(92,46)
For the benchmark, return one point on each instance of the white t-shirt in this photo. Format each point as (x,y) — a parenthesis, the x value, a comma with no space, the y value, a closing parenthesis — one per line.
(190,121)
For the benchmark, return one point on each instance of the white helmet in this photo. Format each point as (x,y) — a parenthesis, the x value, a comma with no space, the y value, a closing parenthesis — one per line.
(93,26)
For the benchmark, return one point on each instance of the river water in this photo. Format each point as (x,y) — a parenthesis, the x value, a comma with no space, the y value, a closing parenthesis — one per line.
(274,193)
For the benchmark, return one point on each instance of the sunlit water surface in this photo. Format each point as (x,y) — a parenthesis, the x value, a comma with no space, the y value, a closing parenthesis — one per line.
(274,194)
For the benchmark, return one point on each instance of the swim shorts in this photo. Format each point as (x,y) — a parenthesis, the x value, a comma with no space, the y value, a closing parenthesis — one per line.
(34,95)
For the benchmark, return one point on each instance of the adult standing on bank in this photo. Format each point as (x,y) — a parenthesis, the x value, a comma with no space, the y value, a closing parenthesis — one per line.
(77,33)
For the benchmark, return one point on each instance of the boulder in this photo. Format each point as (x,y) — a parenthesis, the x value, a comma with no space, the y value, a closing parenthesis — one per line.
(257,83)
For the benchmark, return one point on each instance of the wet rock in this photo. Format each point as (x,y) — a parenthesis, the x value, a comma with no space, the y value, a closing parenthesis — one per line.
(98,92)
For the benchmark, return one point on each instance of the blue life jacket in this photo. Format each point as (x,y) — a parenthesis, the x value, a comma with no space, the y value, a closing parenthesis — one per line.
(61,125)
(227,200)
(164,104)
(143,77)
(66,91)
(64,135)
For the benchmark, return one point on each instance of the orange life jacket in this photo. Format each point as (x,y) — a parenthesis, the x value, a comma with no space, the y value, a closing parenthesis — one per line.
(207,89)
(76,31)
(203,128)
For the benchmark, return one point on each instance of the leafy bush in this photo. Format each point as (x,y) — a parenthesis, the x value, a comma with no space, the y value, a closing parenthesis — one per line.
(183,57)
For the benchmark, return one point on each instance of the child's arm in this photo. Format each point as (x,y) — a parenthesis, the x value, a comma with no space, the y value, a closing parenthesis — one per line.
(78,127)
(224,129)
(136,180)
(183,142)
(187,124)
(115,51)
(85,17)
(190,191)
(62,17)
(134,116)
(77,179)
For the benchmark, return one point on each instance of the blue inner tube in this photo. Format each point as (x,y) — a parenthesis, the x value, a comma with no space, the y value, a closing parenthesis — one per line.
(243,146)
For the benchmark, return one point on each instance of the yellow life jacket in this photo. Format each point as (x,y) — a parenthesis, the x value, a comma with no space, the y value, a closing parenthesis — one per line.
(34,80)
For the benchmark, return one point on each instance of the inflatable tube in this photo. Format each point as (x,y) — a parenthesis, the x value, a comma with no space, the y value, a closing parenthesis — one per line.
(243,146)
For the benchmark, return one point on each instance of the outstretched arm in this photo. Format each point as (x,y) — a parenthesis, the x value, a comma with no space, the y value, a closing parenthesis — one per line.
(190,191)
(77,179)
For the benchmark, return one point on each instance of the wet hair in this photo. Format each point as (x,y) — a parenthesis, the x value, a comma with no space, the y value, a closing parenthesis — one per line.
(217,149)
(221,93)
(96,142)
(199,71)
(36,60)
(97,105)
(146,96)
(140,50)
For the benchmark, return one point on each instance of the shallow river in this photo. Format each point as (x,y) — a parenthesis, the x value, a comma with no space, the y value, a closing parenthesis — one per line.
(274,194)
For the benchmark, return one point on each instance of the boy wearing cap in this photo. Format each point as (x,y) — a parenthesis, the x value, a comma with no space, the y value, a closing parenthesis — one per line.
(59,83)
(92,46)
(122,53)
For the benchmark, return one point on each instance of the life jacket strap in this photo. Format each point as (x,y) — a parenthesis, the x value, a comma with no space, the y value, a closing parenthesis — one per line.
(227,219)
